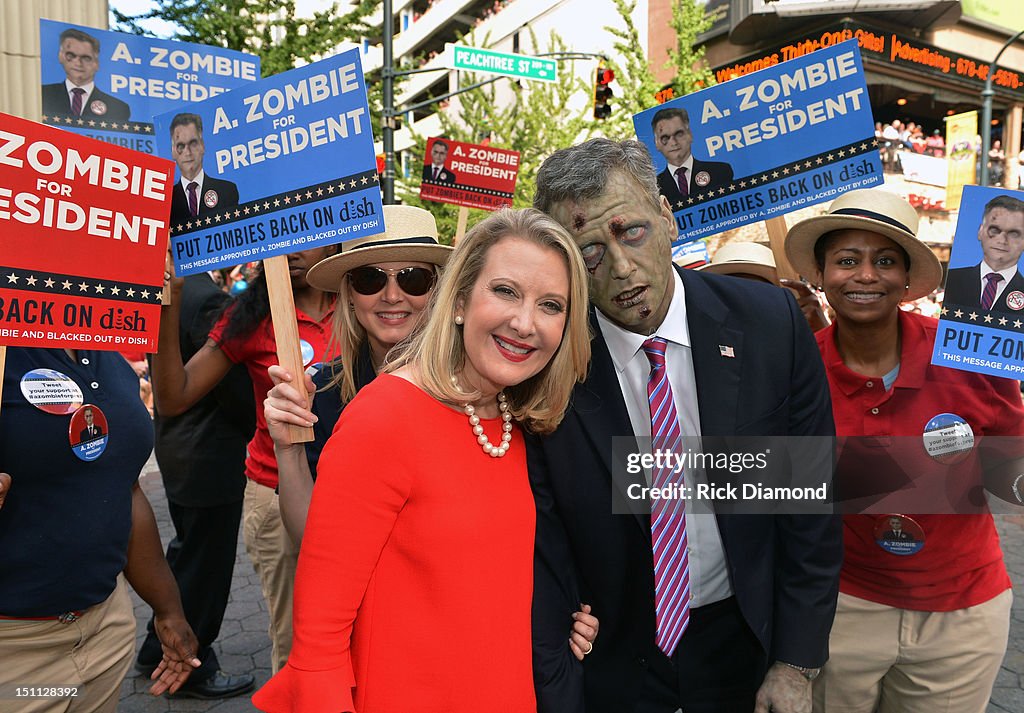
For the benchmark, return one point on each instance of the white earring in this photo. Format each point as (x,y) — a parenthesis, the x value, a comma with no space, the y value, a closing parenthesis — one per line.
(458,319)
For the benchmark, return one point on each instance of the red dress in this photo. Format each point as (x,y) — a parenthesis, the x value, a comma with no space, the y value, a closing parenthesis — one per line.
(415,577)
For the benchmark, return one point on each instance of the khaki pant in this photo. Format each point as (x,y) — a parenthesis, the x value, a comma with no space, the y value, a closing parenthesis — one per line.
(901,661)
(273,556)
(91,654)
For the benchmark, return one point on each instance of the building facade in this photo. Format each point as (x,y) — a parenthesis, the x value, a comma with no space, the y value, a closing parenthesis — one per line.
(19,46)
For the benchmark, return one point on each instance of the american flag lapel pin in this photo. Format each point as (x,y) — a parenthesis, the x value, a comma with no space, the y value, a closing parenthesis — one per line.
(726,351)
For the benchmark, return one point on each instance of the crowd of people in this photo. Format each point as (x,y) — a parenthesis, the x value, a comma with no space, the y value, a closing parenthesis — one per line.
(453,538)
(896,136)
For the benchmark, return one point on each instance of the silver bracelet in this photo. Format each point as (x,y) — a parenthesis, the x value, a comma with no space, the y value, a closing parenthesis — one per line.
(1016,488)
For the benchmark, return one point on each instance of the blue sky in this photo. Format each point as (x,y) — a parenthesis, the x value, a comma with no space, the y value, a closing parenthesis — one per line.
(134,7)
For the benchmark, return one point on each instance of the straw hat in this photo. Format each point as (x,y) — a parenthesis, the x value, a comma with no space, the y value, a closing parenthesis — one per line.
(876,211)
(410,235)
(744,258)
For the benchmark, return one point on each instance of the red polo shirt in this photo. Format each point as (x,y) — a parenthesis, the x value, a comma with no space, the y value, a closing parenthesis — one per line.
(258,352)
(961,564)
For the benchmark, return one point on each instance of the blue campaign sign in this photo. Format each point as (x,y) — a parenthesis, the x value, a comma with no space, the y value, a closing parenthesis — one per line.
(110,85)
(981,323)
(282,165)
(764,144)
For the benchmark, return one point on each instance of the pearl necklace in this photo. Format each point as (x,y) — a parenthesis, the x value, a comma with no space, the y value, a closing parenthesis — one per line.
(474,421)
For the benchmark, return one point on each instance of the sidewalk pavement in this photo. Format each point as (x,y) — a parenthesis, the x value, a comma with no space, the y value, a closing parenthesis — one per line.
(243,646)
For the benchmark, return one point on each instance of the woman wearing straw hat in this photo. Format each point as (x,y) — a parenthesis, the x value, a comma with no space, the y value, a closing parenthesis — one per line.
(753,261)
(922,623)
(385,280)
(421,526)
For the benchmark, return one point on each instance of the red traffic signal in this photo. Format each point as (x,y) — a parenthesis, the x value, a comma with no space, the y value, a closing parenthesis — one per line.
(602,92)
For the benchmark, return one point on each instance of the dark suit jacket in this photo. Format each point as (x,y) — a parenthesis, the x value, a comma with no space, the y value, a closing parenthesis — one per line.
(963,287)
(894,535)
(201,453)
(84,435)
(227,196)
(784,569)
(719,175)
(56,102)
(445,176)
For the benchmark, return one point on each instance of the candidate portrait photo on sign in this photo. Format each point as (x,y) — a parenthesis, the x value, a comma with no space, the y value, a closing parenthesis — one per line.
(196,193)
(77,96)
(684,175)
(434,170)
(994,283)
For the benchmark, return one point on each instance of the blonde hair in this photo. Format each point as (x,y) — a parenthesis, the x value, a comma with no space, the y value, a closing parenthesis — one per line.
(346,340)
(436,348)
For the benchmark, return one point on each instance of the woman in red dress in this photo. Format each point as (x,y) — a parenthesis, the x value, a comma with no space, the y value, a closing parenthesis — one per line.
(420,533)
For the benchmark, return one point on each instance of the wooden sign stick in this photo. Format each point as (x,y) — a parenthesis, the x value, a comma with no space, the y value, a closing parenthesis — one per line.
(460,227)
(777,240)
(286,332)
(3,363)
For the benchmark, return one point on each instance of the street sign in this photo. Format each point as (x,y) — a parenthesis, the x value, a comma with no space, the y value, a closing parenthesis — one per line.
(522,66)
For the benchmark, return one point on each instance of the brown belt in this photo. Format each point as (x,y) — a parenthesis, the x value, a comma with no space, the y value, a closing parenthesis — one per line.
(65,618)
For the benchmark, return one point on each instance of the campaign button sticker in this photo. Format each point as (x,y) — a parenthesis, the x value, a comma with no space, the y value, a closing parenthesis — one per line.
(948,438)
(88,432)
(307,352)
(899,535)
(51,391)
(98,107)
(702,178)
(210,198)
(1015,300)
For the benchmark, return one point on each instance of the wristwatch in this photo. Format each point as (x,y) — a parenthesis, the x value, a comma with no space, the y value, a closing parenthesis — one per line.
(809,673)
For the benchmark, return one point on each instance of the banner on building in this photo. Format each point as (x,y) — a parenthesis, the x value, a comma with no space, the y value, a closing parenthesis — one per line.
(920,168)
(962,147)
(84,227)
(468,175)
(981,323)
(280,165)
(110,85)
(764,144)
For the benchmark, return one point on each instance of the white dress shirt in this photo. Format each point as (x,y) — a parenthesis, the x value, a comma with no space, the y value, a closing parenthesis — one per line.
(709,577)
(69,86)
(1007,274)
(688,165)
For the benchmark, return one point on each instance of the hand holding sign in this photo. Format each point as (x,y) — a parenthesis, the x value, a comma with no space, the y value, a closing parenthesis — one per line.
(299,174)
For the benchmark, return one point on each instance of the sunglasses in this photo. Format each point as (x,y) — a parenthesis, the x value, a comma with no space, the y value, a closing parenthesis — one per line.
(413,281)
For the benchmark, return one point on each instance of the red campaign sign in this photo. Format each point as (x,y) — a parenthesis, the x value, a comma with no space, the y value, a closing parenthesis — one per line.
(468,174)
(84,230)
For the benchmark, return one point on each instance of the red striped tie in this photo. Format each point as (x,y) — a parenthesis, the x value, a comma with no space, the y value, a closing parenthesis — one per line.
(76,101)
(668,518)
(988,295)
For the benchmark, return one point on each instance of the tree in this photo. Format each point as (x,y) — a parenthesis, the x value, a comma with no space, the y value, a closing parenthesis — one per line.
(634,75)
(689,19)
(537,119)
(267,28)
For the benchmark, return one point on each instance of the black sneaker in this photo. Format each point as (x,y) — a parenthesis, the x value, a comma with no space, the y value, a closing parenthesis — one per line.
(219,685)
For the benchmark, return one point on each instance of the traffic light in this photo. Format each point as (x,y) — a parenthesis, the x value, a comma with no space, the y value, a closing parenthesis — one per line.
(602,92)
